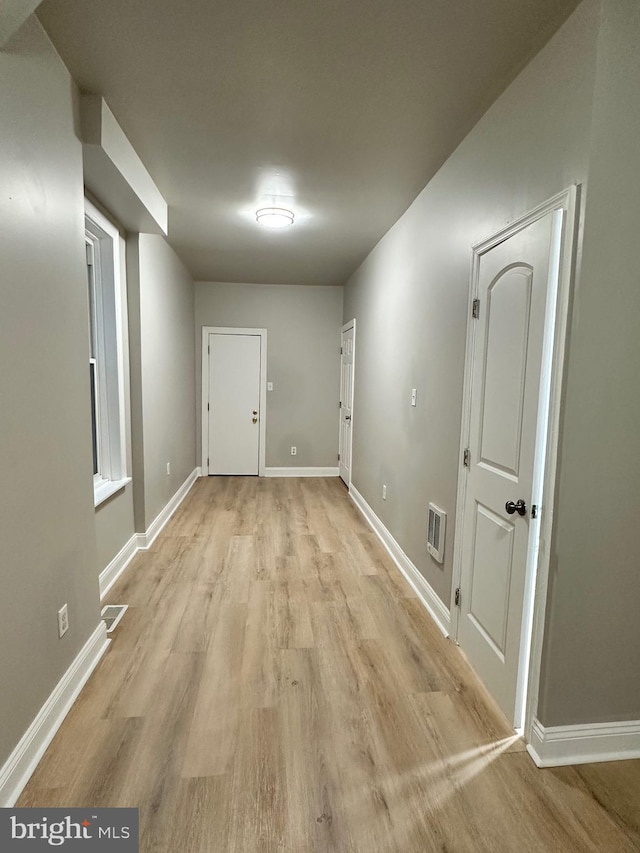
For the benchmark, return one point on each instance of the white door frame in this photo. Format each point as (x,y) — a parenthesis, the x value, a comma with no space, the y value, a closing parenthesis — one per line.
(224,330)
(546,453)
(346,327)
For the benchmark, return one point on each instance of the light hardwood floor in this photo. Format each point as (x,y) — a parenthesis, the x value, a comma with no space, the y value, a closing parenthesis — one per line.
(276,686)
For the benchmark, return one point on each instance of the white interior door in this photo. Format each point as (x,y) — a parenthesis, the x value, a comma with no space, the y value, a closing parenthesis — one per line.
(346,401)
(234,403)
(499,535)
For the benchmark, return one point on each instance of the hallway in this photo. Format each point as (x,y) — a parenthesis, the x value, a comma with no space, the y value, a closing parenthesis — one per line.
(276,686)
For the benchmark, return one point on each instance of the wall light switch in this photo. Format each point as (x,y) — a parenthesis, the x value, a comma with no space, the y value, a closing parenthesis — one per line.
(269,386)
(414,396)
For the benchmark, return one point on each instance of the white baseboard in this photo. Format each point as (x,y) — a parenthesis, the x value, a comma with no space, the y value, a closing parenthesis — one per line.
(301,472)
(117,566)
(146,540)
(437,610)
(142,541)
(584,744)
(18,768)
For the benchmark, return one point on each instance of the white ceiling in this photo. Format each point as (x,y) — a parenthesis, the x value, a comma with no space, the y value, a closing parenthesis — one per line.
(339,109)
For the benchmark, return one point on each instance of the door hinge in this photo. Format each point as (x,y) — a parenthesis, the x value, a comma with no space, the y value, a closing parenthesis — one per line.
(341,351)
(207,461)
(340,404)
(466,458)
(209,350)
(89,249)
(338,457)
(475,310)
(207,407)
(457,597)
(534,510)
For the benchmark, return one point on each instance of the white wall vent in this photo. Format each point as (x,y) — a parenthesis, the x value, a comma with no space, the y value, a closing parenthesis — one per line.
(436,531)
(112,614)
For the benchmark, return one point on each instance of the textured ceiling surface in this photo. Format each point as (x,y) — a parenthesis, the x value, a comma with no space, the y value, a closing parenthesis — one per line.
(341,110)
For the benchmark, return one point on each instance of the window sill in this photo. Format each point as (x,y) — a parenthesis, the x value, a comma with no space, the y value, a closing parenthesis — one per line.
(104,490)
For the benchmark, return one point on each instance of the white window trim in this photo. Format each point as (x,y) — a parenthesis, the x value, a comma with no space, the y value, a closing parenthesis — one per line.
(106,488)
(105,239)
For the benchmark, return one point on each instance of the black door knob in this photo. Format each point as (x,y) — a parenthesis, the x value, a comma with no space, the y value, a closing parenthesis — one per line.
(520,507)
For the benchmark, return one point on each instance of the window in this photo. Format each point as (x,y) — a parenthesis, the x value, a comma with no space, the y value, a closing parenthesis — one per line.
(106,368)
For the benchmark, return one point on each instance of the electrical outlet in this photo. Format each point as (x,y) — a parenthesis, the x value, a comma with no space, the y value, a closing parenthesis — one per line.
(294,450)
(269,386)
(63,620)
(414,396)
(384,493)
(168,468)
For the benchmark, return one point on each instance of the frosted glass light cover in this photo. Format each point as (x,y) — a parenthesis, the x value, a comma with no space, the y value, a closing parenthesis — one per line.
(274,217)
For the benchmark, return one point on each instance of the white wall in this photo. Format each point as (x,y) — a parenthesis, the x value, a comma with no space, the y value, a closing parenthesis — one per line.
(161,309)
(410,295)
(114,525)
(303,362)
(47,537)
(53,542)
(593,628)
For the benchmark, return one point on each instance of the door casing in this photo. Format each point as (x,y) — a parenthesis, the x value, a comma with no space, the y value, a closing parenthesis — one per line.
(547,439)
(350,325)
(223,330)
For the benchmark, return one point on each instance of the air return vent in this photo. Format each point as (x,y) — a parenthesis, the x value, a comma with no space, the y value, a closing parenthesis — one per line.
(435,532)
(112,614)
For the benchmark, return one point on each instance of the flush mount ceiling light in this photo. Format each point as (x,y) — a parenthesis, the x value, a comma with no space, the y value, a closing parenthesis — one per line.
(274,217)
